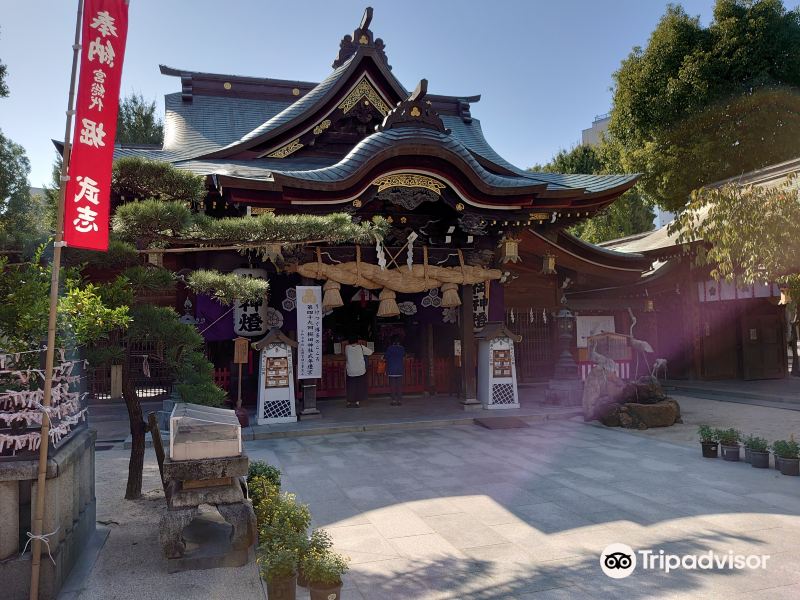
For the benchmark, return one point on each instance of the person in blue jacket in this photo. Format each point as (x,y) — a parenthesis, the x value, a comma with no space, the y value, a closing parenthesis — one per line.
(395,361)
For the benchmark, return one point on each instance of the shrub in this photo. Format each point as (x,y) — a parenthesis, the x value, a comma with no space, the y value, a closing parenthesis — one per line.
(264,494)
(707,434)
(324,567)
(259,468)
(728,437)
(757,444)
(277,563)
(786,448)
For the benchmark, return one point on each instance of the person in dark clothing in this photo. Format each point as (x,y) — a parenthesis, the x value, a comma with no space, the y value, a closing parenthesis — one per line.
(395,361)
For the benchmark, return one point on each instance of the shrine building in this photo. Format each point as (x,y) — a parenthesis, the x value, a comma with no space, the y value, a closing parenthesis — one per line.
(474,239)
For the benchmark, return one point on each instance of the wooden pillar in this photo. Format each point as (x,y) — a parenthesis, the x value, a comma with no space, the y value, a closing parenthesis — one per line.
(310,410)
(468,351)
(430,388)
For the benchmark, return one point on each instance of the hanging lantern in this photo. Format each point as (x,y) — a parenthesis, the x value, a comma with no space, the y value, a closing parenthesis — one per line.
(388,306)
(450,297)
(649,305)
(509,250)
(332,298)
(549,264)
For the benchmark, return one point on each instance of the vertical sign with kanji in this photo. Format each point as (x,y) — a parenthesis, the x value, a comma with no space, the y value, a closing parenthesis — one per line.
(309,332)
(250,317)
(87,201)
(480,305)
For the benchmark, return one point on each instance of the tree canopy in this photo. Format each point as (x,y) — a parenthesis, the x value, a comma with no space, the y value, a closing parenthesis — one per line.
(628,215)
(137,122)
(701,104)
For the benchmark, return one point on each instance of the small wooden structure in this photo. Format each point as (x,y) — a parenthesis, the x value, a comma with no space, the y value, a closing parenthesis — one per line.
(276,400)
(497,374)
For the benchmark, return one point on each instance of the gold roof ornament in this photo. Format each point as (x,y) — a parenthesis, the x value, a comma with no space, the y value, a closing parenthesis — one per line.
(286,150)
(364,89)
(409,180)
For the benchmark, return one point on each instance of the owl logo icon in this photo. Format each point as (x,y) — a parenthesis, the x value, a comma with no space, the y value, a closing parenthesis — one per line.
(618,561)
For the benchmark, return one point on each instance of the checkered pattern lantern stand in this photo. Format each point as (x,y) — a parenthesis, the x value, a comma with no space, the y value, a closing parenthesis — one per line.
(497,374)
(276,379)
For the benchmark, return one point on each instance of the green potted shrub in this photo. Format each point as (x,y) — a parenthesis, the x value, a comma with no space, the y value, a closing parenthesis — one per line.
(708,441)
(746,440)
(278,567)
(259,468)
(729,440)
(319,541)
(324,570)
(759,452)
(787,454)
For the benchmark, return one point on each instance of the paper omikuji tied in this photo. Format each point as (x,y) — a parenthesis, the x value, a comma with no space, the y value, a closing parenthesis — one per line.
(88,194)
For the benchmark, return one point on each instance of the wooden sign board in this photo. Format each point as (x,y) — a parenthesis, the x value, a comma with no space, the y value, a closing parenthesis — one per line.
(240,350)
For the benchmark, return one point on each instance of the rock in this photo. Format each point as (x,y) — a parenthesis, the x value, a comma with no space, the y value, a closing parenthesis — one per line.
(642,416)
(601,391)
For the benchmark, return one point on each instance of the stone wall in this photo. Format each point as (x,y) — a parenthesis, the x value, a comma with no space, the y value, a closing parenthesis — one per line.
(69,508)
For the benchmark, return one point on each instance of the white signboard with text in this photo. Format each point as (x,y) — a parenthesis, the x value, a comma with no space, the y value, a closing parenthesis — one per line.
(309,332)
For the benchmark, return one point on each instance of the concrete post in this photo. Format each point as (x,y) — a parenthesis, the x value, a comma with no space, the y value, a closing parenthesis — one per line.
(9,518)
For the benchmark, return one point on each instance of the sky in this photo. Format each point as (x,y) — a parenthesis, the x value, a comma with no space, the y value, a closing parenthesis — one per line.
(544,69)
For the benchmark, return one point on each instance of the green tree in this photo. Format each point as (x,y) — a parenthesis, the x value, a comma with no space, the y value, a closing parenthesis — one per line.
(747,233)
(628,215)
(700,104)
(137,122)
(3,86)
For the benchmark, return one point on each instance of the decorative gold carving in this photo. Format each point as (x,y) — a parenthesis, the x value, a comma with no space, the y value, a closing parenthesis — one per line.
(410,180)
(390,219)
(260,210)
(363,40)
(539,216)
(364,89)
(227,85)
(357,203)
(403,220)
(415,112)
(286,150)
(459,207)
(295,91)
(322,126)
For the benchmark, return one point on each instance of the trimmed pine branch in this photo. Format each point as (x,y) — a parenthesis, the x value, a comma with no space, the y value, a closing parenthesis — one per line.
(227,287)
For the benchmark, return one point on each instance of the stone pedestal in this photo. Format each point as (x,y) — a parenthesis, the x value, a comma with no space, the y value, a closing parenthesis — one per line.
(69,507)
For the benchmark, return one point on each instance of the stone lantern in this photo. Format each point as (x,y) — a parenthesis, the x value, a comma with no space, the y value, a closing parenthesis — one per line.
(566,386)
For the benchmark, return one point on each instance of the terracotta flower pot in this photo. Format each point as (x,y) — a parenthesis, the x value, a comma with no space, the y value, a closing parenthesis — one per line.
(790,466)
(710,449)
(730,452)
(325,591)
(759,460)
(282,589)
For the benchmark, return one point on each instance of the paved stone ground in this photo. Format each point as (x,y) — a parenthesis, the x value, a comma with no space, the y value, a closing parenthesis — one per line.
(466,512)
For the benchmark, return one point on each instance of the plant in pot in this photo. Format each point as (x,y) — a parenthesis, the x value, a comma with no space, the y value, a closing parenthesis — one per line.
(759,452)
(278,567)
(324,570)
(729,440)
(260,468)
(708,441)
(319,541)
(787,454)
(746,442)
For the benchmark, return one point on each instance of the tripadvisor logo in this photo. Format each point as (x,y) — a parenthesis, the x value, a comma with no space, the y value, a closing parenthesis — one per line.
(620,560)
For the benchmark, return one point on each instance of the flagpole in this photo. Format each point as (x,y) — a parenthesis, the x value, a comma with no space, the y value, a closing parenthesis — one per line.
(36,546)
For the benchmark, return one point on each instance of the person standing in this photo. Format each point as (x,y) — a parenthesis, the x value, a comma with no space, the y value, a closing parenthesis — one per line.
(395,367)
(355,354)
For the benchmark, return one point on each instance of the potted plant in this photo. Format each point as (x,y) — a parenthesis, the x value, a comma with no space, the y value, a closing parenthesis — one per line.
(278,567)
(759,452)
(708,440)
(787,453)
(324,570)
(263,469)
(729,440)
(319,541)
(746,441)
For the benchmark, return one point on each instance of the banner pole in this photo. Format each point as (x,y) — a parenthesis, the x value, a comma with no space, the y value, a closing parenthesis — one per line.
(36,546)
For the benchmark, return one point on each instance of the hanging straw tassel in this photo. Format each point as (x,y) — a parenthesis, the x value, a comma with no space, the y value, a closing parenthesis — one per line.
(331,298)
(450,297)
(388,306)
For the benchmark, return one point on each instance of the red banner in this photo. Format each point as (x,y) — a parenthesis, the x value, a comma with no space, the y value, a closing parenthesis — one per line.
(88,195)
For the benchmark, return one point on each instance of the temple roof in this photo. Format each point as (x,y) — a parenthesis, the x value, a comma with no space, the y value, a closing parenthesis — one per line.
(266,131)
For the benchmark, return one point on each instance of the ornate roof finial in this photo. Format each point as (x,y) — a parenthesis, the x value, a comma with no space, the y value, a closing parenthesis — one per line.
(414,111)
(362,36)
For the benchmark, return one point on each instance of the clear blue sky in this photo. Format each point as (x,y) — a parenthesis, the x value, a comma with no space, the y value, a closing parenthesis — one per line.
(544,68)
